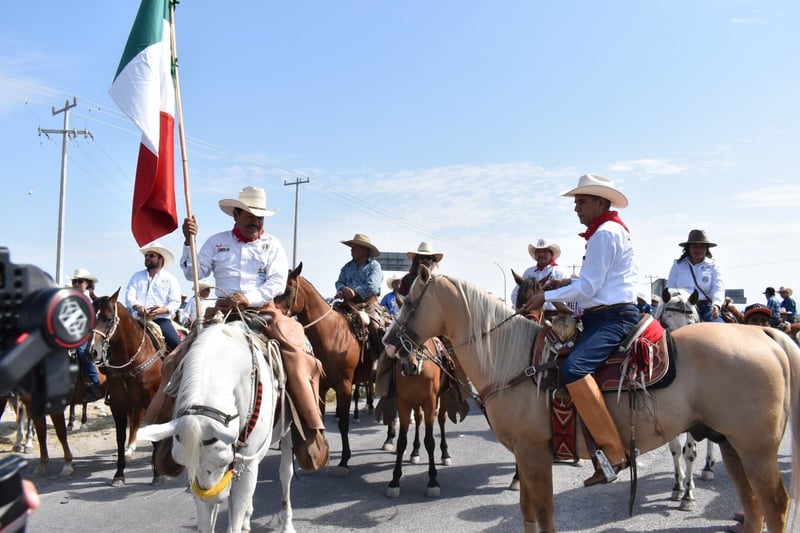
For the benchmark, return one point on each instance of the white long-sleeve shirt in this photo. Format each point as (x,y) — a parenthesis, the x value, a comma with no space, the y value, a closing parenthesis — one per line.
(709,279)
(609,274)
(162,290)
(257,269)
(554,271)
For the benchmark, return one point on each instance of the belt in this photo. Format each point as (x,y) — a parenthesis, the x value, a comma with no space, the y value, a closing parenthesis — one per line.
(703,302)
(604,307)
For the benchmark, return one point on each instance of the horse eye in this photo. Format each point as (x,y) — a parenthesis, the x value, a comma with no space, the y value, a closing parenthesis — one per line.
(177,437)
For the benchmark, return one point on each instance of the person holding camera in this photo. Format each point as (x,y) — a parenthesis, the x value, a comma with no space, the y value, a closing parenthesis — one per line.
(83,280)
(154,294)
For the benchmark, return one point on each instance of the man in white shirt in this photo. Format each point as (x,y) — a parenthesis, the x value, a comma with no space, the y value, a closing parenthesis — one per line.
(606,290)
(545,253)
(155,294)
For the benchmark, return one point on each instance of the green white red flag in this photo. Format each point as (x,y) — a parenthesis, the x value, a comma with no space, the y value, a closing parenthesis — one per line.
(143,88)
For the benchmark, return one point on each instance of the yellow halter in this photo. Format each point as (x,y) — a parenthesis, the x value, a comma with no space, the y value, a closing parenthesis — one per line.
(206,494)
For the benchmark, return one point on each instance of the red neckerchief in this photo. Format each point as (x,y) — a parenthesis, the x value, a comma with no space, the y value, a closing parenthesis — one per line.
(612,216)
(242,238)
(551,263)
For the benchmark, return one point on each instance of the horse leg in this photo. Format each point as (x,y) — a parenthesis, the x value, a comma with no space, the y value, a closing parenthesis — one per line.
(514,485)
(285,471)
(120,415)
(22,418)
(60,427)
(708,470)
(442,415)
(414,459)
(753,515)
(356,397)
(29,431)
(388,444)
(240,501)
(535,463)
(71,423)
(393,490)
(675,450)
(689,457)
(370,388)
(434,490)
(344,393)
(84,415)
(41,436)
(134,421)
(206,515)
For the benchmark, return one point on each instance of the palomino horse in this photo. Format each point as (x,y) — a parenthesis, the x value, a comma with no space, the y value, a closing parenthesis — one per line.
(714,363)
(334,344)
(24,432)
(677,309)
(231,387)
(132,365)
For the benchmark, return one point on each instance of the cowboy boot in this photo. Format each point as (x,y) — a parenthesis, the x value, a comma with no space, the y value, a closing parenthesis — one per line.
(594,413)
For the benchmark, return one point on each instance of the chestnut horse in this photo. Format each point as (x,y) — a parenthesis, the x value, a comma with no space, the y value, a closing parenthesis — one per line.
(131,363)
(334,344)
(714,363)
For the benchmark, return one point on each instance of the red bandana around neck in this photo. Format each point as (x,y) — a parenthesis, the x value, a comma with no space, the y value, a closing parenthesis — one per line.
(612,216)
(551,263)
(242,238)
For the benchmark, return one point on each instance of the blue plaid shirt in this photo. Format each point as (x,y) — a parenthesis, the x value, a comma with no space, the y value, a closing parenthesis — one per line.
(365,279)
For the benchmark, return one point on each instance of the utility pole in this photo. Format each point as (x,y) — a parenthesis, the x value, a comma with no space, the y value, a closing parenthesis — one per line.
(505,288)
(297,182)
(67,134)
(651,277)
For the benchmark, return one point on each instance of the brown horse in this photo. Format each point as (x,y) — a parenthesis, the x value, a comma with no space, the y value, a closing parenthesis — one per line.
(715,363)
(132,365)
(334,344)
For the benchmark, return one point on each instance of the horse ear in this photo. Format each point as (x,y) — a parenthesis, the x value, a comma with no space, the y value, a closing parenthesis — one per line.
(296,272)
(665,295)
(694,297)
(156,432)
(562,308)
(517,278)
(114,296)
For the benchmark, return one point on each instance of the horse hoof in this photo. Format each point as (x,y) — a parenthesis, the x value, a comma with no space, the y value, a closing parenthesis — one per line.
(28,448)
(118,482)
(414,460)
(158,481)
(434,492)
(676,495)
(340,471)
(17,448)
(388,447)
(129,451)
(66,471)
(446,461)
(707,475)
(393,492)
(686,505)
(70,427)
(514,485)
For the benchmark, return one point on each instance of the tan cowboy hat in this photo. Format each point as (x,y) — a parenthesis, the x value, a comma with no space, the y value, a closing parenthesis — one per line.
(544,244)
(391,281)
(160,250)
(362,239)
(425,248)
(599,186)
(787,290)
(251,199)
(82,273)
(698,236)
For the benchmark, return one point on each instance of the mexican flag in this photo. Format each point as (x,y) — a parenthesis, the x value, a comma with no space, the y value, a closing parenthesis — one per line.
(143,89)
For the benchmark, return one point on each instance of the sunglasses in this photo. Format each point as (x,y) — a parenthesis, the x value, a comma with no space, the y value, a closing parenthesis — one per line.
(425,257)
(79,281)
(152,255)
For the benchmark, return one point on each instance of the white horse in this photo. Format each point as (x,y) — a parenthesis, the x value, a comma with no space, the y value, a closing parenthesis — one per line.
(230,386)
(677,309)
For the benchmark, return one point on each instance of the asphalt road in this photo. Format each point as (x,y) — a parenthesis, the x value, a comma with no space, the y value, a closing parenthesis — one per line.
(474,490)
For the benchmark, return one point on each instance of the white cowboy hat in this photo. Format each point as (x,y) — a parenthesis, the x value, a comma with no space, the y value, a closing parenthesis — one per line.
(391,281)
(82,273)
(161,250)
(362,239)
(425,248)
(251,199)
(544,244)
(203,285)
(599,186)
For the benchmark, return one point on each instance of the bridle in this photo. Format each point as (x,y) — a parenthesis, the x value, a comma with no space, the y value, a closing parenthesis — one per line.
(295,297)
(112,325)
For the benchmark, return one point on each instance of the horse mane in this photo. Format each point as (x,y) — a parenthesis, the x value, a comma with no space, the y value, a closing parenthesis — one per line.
(503,345)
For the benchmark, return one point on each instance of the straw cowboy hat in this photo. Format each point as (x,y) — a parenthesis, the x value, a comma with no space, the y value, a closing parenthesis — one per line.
(251,199)
(203,285)
(391,281)
(82,273)
(599,186)
(362,239)
(425,248)
(698,236)
(787,290)
(544,244)
(161,250)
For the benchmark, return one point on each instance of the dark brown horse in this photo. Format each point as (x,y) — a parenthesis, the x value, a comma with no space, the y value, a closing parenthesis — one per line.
(334,344)
(131,363)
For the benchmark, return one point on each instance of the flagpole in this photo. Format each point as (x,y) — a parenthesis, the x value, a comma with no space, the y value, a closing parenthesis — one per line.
(184,161)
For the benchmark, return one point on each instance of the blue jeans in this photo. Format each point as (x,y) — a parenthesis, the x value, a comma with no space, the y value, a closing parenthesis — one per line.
(87,364)
(603,330)
(168,330)
(704,310)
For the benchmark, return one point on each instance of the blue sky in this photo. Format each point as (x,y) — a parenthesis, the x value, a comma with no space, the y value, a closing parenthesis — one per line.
(455,122)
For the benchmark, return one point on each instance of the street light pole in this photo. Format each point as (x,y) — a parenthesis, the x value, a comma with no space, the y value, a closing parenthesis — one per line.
(505,289)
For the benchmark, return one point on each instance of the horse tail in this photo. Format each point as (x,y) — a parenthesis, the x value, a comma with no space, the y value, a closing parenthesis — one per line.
(188,426)
(793,355)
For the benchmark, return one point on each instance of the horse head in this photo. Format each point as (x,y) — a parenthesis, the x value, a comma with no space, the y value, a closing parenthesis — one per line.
(677,308)
(291,301)
(526,288)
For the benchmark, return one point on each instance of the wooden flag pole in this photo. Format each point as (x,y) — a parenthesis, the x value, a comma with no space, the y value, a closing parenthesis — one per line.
(184,162)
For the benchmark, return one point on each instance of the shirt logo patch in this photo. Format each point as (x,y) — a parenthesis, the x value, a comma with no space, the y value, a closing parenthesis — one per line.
(223,248)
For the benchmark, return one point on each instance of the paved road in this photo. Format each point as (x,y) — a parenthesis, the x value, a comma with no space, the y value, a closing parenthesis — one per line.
(474,495)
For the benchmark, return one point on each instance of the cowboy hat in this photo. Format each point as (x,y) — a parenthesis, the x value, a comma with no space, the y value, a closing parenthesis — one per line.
(544,244)
(160,250)
(787,290)
(769,291)
(756,308)
(362,239)
(203,285)
(425,248)
(391,281)
(698,236)
(82,273)
(595,185)
(251,199)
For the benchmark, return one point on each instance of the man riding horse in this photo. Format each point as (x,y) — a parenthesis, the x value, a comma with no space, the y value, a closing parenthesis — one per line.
(606,290)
